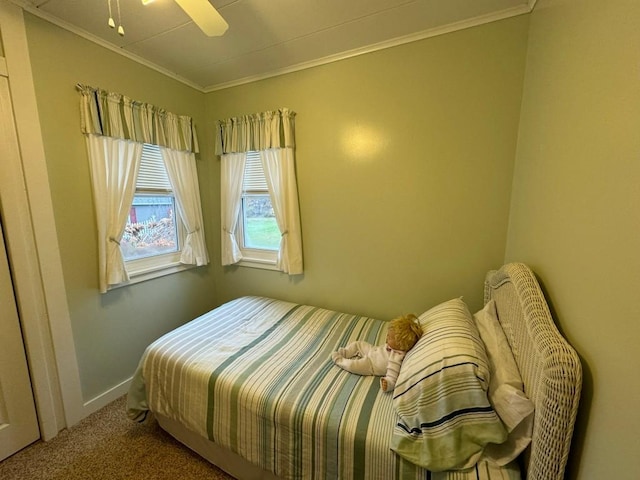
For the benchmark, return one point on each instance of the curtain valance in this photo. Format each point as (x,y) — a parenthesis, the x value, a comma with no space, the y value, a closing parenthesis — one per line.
(257,132)
(114,115)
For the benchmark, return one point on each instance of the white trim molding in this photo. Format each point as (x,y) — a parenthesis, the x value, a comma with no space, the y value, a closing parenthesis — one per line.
(433,32)
(33,246)
(107,397)
(526,7)
(109,46)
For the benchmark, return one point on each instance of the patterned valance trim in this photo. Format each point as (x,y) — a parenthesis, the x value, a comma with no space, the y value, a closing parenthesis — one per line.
(260,131)
(115,115)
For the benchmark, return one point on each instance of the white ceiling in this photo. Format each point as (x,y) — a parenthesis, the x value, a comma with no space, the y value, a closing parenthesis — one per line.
(265,37)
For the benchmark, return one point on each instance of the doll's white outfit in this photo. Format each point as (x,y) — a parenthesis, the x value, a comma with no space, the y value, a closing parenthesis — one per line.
(365,359)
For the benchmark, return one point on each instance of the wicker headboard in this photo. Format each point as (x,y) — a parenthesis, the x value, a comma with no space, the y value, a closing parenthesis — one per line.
(549,366)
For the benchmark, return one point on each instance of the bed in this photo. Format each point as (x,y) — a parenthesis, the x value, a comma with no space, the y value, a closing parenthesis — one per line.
(251,387)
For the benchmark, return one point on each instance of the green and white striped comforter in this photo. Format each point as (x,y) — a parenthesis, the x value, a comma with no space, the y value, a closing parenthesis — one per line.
(255,376)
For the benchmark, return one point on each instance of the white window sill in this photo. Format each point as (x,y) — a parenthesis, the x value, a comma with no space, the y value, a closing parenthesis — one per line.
(152,272)
(258,258)
(258,263)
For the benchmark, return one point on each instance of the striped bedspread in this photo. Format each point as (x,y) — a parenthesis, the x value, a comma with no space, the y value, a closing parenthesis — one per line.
(255,376)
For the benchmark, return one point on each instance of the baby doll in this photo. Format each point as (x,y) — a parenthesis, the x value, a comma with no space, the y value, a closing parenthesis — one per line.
(384,360)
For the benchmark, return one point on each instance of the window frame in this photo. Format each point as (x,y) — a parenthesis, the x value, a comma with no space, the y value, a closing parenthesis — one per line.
(137,266)
(154,266)
(254,257)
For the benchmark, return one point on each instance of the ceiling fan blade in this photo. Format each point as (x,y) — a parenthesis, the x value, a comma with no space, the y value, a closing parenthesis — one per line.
(205,16)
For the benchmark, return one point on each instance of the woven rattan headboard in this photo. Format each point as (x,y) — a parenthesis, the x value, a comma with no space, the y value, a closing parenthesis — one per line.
(549,366)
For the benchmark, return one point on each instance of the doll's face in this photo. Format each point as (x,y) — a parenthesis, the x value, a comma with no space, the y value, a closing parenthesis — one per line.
(391,339)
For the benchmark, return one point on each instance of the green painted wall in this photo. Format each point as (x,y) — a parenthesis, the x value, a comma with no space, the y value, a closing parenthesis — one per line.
(404,160)
(575,210)
(111,330)
(405,163)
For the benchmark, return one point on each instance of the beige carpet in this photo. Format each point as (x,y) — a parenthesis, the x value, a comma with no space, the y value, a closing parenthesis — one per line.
(107,445)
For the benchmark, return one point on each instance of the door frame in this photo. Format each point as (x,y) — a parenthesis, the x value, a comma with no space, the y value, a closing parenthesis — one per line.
(32,245)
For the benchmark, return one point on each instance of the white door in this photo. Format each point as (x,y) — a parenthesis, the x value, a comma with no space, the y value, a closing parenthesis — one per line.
(18,420)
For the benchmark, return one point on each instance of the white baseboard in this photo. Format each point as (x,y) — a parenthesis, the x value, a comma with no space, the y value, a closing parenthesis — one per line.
(106,398)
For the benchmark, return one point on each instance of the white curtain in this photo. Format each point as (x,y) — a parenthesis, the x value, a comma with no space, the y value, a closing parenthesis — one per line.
(279,171)
(114,165)
(181,170)
(232,174)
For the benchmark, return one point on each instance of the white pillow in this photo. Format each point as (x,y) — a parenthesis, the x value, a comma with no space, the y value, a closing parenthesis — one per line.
(506,390)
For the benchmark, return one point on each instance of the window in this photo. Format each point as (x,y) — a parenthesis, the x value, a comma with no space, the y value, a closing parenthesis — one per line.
(153,234)
(259,230)
(258,235)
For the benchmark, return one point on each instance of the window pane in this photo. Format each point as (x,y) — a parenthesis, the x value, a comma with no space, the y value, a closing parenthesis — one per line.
(151,227)
(260,226)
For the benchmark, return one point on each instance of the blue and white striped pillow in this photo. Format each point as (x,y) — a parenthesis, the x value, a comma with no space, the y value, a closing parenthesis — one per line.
(445,418)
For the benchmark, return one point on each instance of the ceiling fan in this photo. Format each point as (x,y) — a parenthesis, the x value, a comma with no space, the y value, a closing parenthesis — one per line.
(201,12)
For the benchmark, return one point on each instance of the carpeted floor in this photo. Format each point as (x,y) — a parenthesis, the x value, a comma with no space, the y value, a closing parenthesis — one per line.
(107,445)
